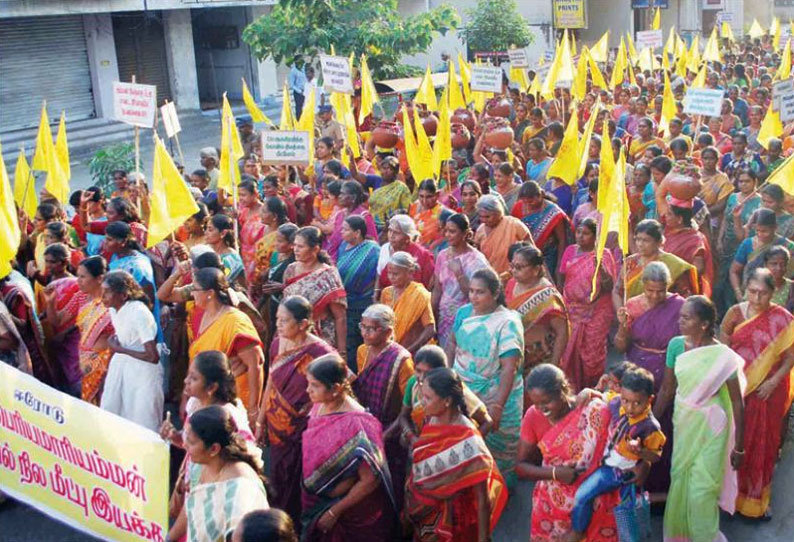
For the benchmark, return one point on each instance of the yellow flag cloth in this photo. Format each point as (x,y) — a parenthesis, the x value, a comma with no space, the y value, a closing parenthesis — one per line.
(665,61)
(453,93)
(632,51)
(771,127)
(657,20)
(700,79)
(46,159)
(595,73)
(712,51)
(369,96)
(442,146)
(171,201)
(693,63)
(727,31)
(615,213)
(784,71)
(10,236)
(579,87)
(425,150)
(632,78)
(287,117)
(420,169)
(306,122)
(519,76)
(25,187)
(344,115)
(567,69)
(620,65)
(584,143)
(62,147)
(783,176)
(256,114)
(566,163)
(606,170)
(465,78)
(669,108)
(231,150)
(600,50)
(756,30)
(775,31)
(646,60)
(669,46)
(426,93)
(44,134)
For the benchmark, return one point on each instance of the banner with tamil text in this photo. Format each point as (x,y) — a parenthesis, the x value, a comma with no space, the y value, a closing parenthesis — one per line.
(91,469)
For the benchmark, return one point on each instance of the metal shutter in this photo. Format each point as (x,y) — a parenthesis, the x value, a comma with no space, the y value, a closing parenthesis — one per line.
(140,50)
(43,58)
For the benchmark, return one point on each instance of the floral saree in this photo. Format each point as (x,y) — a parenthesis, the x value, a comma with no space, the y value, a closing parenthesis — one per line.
(685,276)
(389,200)
(63,346)
(251,230)
(322,287)
(94,323)
(428,222)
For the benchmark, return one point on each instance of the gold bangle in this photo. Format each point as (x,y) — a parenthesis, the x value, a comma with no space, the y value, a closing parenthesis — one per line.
(554,473)
(331,513)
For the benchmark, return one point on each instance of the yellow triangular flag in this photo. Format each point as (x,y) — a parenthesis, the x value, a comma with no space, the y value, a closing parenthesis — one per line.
(645,60)
(771,127)
(287,117)
(680,65)
(566,163)
(534,88)
(584,143)
(420,169)
(344,115)
(550,82)
(783,176)
(171,202)
(727,31)
(567,69)
(693,64)
(10,235)
(615,213)
(520,77)
(573,44)
(620,65)
(784,71)
(46,159)
(657,20)
(426,93)
(44,134)
(231,150)
(62,147)
(633,56)
(442,146)
(712,51)
(775,31)
(579,87)
(756,30)
(606,169)
(665,62)
(256,114)
(669,46)
(700,79)
(369,96)
(306,122)
(595,73)
(600,50)
(423,145)
(454,94)
(632,79)
(669,108)
(25,187)
(465,77)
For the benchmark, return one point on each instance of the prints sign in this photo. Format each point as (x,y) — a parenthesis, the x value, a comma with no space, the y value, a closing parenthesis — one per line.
(518,58)
(94,471)
(336,74)
(283,147)
(703,101)
(486,79)
(134,104)
(649,38)
(570,14)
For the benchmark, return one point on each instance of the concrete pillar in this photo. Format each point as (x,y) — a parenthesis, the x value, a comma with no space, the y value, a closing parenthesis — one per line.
(101,60)
(181,58)
(689,17)
(266,81)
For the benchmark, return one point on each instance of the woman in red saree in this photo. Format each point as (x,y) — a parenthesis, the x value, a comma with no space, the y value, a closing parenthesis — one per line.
(347,494)
(561,444)
(590,316)
(763,334)
(251,227)
(688,243)
(285,405)
(450,498)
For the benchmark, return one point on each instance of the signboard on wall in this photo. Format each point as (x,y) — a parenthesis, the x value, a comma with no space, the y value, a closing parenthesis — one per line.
(642,4)
(570,13)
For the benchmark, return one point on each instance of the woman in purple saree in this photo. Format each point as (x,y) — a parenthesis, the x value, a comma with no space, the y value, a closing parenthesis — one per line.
(647,324)
(347,493)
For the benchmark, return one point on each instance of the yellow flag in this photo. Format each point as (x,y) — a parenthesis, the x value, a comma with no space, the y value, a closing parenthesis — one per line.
(712,51)
(669,46)
(420,169)
(62,147)
(465,78)
(426,93)
(657,20)
(171,201)
(595,73)
(44,134)
(783,176)
(519,76)
(630,49)
(665,61)
(256,114)
(567,69)
(25,187)
(287,117)
(369,96)
(550,82)
(784,71)
(579,87)
(600,50)
(424,147)
(756,30)
(771,127)
(566,163)
(584,143)
(46,159)
(700,79)
(344,115)
(10,236)
(620,65)
(454,94)
(669,108)
(775,30)
(693,64)
(442,146)
(646,60)
(727,31)
(615,213)
(306,122)
(534,88)
(573,44)
(632,79)
(606,169)
(231,150)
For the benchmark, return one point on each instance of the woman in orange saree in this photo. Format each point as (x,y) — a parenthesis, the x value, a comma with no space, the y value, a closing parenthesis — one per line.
(95,327)
(429,214)
(763,334)
(251,226)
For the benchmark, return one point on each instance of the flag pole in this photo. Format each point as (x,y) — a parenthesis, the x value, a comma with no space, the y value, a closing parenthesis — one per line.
(137,145)
(232,164)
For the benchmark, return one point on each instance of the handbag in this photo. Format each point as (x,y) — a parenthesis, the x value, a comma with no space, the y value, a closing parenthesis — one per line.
(633,516)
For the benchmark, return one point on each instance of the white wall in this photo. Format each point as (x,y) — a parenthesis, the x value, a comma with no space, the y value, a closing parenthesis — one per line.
(181,58)
(28,8)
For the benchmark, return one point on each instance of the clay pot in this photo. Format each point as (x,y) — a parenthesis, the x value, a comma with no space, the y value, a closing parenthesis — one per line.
(498,133)
(498,107)
(682,187)
(430,124)
(464,117)
(398,115)
(460,136)
(386,134)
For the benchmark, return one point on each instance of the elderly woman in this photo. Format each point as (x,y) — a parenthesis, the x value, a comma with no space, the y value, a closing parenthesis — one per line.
(415,323)
(351,200)
(561,444)
(497,232)
(453,500)
(486,350)
(402,235)
(762,333)
(384,368)
(646,325)
(707,381)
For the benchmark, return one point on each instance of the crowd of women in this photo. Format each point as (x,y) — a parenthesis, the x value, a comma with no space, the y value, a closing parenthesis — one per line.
(397,352)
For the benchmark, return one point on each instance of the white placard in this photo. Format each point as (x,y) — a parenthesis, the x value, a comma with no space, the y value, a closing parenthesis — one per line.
(725,16)
(287,148)
(486,79)
(170,119)
(134,104)
(649,38)
(787,107)
(779,90)
(518,58)
(703,101)
(336,74)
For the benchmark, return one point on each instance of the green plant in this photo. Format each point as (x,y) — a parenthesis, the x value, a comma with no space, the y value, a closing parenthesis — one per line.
(494,26)
(297,29)
(108,159)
